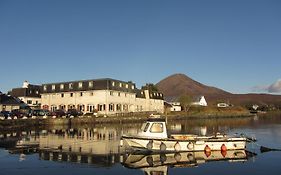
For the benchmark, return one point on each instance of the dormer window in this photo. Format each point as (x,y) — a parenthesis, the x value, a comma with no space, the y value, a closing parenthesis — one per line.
(133,87)
(113,83)
(45,87)
(120,84)
(70,85)
(62,86)
(53,87)
(80,85)
(127,86)
(91,84)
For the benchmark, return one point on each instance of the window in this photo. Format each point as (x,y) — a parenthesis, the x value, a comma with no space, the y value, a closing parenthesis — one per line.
(91,94)
(127,86)
(125,107)
(90,108)
(120,84)
(61,86)
(111,107)
(111,93)
(81,94)
(144,127)
(141,92)
(71,94)
(37,92)
(119,94)
(91,84)
(80,85)
(29,101)
(53,107)
(70,85)
(133,87)
(101,107)
(118,107)
(45,87)
(156,128)
(62,95)
(113,83)
(53,87)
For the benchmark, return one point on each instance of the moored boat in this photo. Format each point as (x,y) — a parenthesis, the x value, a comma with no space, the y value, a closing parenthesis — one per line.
(154,137)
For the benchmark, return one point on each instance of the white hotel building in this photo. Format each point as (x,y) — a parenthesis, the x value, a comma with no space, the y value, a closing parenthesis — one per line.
(107,96)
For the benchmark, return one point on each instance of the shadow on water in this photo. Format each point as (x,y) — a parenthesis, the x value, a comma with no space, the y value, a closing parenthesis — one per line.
(98,145)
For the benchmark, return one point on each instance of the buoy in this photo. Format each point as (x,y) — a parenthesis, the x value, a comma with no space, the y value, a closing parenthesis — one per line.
(163,147)
(177,146)
(149,145)
(177,157)
(190,146)
(223,147)
(207,150)
(223,153)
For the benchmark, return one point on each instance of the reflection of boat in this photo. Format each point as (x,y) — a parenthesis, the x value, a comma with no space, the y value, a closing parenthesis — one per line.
(154,137)
(159,163)
(183,159)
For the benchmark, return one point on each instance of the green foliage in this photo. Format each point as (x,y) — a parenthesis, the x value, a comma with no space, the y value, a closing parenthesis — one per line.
(185,101)
(150,86)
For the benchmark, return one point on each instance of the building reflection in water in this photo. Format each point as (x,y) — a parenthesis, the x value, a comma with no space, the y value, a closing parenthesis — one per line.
(98,145)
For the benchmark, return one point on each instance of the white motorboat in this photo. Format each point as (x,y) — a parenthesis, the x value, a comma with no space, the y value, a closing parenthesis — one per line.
(154,137)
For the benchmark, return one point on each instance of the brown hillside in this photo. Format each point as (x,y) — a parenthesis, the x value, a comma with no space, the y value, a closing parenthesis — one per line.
(179,84)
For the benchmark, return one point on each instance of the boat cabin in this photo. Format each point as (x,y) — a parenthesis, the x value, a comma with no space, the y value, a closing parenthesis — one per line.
(154,128)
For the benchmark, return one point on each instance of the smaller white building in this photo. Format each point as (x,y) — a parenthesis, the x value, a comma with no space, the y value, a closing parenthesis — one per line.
(176,106)
(29,94)
(173,104)
(199,101)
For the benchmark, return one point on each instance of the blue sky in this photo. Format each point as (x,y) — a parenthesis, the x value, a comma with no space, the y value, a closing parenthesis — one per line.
(234,45)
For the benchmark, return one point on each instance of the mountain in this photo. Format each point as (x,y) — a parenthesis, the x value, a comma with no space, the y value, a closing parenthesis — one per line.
(179,84)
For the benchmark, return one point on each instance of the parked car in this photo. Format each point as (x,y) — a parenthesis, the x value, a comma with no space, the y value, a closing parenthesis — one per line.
(2,117)
(58,113)
(5,114)
(19,113)
(40,112)
(73,112)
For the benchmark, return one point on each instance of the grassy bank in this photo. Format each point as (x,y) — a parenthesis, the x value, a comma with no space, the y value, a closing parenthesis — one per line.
(211,112)
(194,112)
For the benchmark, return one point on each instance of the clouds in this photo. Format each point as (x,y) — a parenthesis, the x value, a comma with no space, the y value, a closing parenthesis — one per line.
(273,88)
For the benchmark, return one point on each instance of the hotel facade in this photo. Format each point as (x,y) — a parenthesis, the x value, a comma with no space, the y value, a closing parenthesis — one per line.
(104,96)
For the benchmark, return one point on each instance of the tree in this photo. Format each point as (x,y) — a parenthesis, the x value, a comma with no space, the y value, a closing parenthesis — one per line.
(185,101)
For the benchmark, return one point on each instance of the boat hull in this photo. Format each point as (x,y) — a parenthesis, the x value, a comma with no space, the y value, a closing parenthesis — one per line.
(178,145)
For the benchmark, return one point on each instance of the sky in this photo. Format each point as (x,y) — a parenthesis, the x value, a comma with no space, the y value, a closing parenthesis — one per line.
(234,45)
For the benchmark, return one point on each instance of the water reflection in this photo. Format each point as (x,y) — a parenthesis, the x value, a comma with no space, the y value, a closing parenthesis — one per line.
(159,163)
(98,145)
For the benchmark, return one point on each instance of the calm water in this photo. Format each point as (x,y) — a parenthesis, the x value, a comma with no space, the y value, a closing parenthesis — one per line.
(94,150)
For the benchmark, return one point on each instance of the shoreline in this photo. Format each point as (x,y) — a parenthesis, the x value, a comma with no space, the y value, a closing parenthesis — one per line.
(40,122)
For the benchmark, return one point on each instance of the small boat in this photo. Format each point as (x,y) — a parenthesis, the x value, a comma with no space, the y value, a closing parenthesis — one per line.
(154,138)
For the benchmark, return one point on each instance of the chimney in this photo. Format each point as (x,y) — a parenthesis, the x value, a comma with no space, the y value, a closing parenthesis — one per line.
(25,84)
